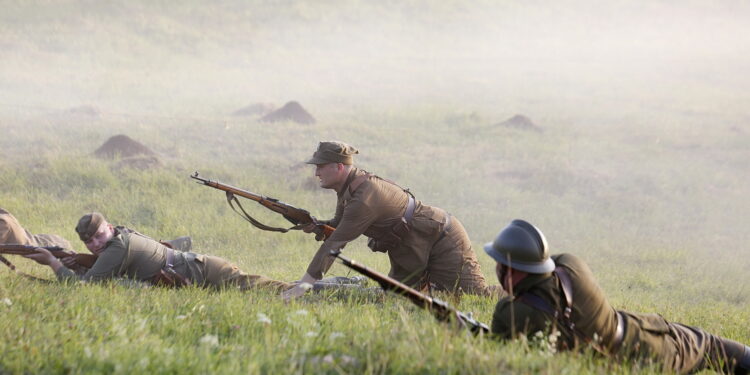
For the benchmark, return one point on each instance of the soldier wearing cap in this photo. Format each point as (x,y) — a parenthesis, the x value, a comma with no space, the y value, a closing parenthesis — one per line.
(559,293)
(425,245)
(125,253)
(11,232)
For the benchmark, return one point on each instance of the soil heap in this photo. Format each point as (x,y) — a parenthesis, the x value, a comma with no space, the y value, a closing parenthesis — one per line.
(291,111)
(520,122)
(122,146)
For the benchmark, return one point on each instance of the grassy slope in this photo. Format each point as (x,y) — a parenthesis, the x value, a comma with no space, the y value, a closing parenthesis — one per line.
(653,198)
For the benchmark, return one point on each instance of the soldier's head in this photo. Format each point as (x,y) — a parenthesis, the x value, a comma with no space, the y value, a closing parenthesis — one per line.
(333,162)
(519,249)
(94,230)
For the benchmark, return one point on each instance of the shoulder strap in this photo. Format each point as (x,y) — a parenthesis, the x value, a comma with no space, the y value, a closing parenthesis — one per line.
(567,288)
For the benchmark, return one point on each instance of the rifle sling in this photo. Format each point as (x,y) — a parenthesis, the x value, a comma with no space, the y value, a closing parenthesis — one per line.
(12,267)
(231,197)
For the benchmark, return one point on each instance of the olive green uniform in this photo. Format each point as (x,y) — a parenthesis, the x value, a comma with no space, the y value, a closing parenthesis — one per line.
(436,250)
(11,232)
(645,337)
(132,255)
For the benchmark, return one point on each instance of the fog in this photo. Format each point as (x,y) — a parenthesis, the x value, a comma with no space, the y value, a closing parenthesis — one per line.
(555,58)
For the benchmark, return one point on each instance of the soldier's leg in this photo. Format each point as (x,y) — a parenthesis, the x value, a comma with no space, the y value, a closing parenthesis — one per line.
(219,272)
(700,350)
(11,231)
(453,263)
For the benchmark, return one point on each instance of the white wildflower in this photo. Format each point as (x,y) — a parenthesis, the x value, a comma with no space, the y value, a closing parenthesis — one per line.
(210,340)
(328,358)
(346,360)
(311,334)
(7,301)
(263,318)
(301,312)
(335,335)
(180,317)
(87,351)
(305,286)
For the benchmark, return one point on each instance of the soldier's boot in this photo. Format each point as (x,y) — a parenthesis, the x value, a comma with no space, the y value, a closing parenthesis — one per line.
(743,365)
(738,356)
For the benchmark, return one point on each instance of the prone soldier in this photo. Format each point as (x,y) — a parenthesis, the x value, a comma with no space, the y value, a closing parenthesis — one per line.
(426,245)
(561,293)
(125,253)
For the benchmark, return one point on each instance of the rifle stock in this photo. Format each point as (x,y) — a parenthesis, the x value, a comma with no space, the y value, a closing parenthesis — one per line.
(86,260)
(440,309)
(296,216)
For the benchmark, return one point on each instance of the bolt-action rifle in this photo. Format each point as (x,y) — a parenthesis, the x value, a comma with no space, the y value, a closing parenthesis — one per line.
(86,260)
(297,216)
(440,309)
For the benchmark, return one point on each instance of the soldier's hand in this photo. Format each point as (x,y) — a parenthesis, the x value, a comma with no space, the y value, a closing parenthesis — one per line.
(70,262)
(309,228)
(295,292)
(41,256)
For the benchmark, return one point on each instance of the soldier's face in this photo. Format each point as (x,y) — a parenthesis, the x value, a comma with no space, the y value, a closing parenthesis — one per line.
(502,275)
(329,174)
(96,243)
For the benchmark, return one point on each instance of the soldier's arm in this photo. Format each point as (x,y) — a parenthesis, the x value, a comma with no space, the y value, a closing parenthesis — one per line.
(513,319)
(106,267)
(355,219)
(336,218)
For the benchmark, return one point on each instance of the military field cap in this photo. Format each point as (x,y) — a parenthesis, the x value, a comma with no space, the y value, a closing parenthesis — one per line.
(522,246)
(333,152)
(88,225)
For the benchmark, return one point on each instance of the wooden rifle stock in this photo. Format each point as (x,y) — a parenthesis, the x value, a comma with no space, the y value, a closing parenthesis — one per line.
(86,260)
(440,309)
(296,216)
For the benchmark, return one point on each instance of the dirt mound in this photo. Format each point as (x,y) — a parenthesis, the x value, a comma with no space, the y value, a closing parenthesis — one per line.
(291,111)
(520,122)
(84,110)
(255,109)
(138,162)
(122,146)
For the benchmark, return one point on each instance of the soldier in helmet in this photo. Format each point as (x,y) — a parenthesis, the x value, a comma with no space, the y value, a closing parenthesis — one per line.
(125,253)
(560,293)
(425,245)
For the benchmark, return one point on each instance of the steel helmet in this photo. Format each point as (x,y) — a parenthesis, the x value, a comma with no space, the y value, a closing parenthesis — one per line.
(521,246)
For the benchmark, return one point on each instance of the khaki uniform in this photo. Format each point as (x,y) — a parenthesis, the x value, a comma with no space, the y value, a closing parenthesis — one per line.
(132,255)
(646,336)
(11,232)
(436,250)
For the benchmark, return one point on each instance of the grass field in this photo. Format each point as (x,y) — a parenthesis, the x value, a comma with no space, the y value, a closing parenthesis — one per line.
(641,169)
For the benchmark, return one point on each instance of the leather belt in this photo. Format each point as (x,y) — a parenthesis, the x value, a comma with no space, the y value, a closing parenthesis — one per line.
(409,213)
(619,333)
(170,258)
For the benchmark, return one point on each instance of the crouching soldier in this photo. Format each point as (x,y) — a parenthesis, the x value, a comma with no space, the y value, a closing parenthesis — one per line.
(560,293)
(124,253)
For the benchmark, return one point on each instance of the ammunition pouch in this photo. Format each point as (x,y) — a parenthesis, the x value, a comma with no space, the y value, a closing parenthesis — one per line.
(167,276)
(392,240)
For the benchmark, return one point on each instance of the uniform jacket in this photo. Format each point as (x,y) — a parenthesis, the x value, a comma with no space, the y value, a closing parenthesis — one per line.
(373,209)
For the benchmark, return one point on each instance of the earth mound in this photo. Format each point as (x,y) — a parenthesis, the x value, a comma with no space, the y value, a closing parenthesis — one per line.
(291,111)
(255,109)
(122,146)
(520,122)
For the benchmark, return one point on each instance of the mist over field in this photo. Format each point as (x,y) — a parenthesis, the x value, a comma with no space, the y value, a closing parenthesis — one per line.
(637,160)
